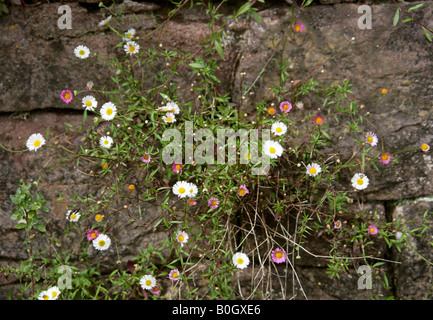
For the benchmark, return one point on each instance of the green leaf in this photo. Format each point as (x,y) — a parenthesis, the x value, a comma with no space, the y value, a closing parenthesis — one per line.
(415,7)
(219,49)
(244,8)
(21,225)
(196,65)
(257,18)
(396,17)
(41,228)
(307,3)
(427,34)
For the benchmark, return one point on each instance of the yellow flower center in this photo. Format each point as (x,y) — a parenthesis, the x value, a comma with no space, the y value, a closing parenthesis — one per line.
(37,143)
(54,294)
(109,111)
(93,235)
(106,142)
(146,157)
(240,261)
(131,187)
(182,190)
(272,150)
(148,282)
(385,156)
(297,28)
(279,129)
(279,255)
(242,192)
(88,103)
(424,146)
(67,96)
(73,216)
(384,91)
(271,111)
(46,297)
(313,170)
(129,35)
(372,230)
(319,120)
(360,182)
(101,243)
(191,201)
(131,48)
(175,275)
(169,119)
(99,217)
(286,107)
(213,203)
(370,139)
(81,52)
(178,167)
(181,238)
(104,166)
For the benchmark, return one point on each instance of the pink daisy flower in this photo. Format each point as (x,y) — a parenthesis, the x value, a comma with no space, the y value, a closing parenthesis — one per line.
(146,158)
(213,203)
(285,106)
(278,256)
(298,27)
(337,224)
(92,234)
(243,190)
(177,168)
(385,158)
(174,275)
(318,120)
(155,290)
(372,230)
(67,96)
(192,202)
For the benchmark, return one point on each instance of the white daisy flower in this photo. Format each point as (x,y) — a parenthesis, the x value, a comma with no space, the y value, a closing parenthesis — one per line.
(279,128)
(182,189)
(129,34)
(35,141)
(360,181)
(182,237)
(192,190)
(108,111)
(82,52)
(44,295)
(89,102)
(272,149)
(371,138)
(106,142)
(240,260)
(105,21)
(147,282)
(102,242)
(169,118)
(53,292)
(313,169)
(131,47)
(73,215)
(171,107)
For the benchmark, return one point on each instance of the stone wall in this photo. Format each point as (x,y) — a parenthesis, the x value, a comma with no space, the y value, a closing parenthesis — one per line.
(36,66)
